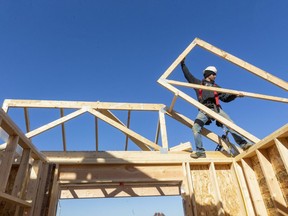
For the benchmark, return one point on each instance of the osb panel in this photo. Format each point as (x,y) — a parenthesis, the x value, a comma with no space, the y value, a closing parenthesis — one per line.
(263,187)
(279,169)
(229,190)
(204,190)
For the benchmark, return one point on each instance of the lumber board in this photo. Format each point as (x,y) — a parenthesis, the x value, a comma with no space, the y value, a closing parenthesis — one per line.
(133,157)
(55,123)
(7,161)
(241,63)
(264,143)
(63,130)
(229,91)
(12,129)
(163,130)
(120,190)
(11,199)
(144,141)
(81,104)
(254,188)
(271,179)
(178,60)
(243,188)
(210,112)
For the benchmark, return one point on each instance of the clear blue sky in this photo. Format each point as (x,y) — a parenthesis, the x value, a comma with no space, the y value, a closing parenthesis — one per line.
(114,51)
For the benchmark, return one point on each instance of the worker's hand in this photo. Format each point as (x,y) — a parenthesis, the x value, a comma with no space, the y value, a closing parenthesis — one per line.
(183,61)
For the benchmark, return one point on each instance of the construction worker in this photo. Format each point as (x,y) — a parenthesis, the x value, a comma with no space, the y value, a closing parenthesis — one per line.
(211,100)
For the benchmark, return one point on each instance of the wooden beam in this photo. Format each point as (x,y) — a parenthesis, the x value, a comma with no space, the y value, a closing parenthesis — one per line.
(211,113)
(33,183)
(7,160)
(55,123)
(145,142)
(216,187)
(157,132)
(191,188)
(27,119)
(12,129)
(182,147)
(254,189)
(163,130)
(178,60)
(110,116)
(243,188)
(245,65)
(55,193)
(11,199)
(63,130)
(127,157)
(282,147)
(81,104)
(128,126)
(264,143)
(271,179)
(229,91)
(96,134)
(173,102)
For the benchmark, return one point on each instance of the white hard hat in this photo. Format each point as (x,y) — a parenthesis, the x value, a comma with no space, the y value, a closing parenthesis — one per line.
(210,68)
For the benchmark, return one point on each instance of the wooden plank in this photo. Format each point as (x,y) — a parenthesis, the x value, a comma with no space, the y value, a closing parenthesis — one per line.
(55,193)
(15,200)
(229,91)
(264,143)
(33,183)
(211,113)
(120,190)
(272,183)
(139,157)
(112,117)
(245,65)
(144,142)
(217,191)
(18,187)
(178,60)
(128,126)
(163,130)
(185,194)
(182,147)
(41,189)
(96,134)
(254,189)
(191,188)
(243,188)
(81,104)
(55,123)
(121,173)
(27,119)
(173,102)
(12,129)
(157,132)
(7,161)
(283,151)
(63,130)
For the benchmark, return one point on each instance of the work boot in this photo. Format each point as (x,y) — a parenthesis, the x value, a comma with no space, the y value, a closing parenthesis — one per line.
(245,145)
(197,155)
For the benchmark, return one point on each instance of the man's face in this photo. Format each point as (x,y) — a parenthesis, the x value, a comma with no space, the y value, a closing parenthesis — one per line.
(212,77)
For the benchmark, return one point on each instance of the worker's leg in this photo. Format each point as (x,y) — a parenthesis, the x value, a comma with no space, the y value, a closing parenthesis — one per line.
(237,137)
(200,121)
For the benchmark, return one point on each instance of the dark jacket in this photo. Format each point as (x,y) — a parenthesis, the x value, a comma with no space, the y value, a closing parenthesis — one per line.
(208,97)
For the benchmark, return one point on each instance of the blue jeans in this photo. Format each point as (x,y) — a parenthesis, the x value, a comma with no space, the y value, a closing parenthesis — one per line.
(200,121)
